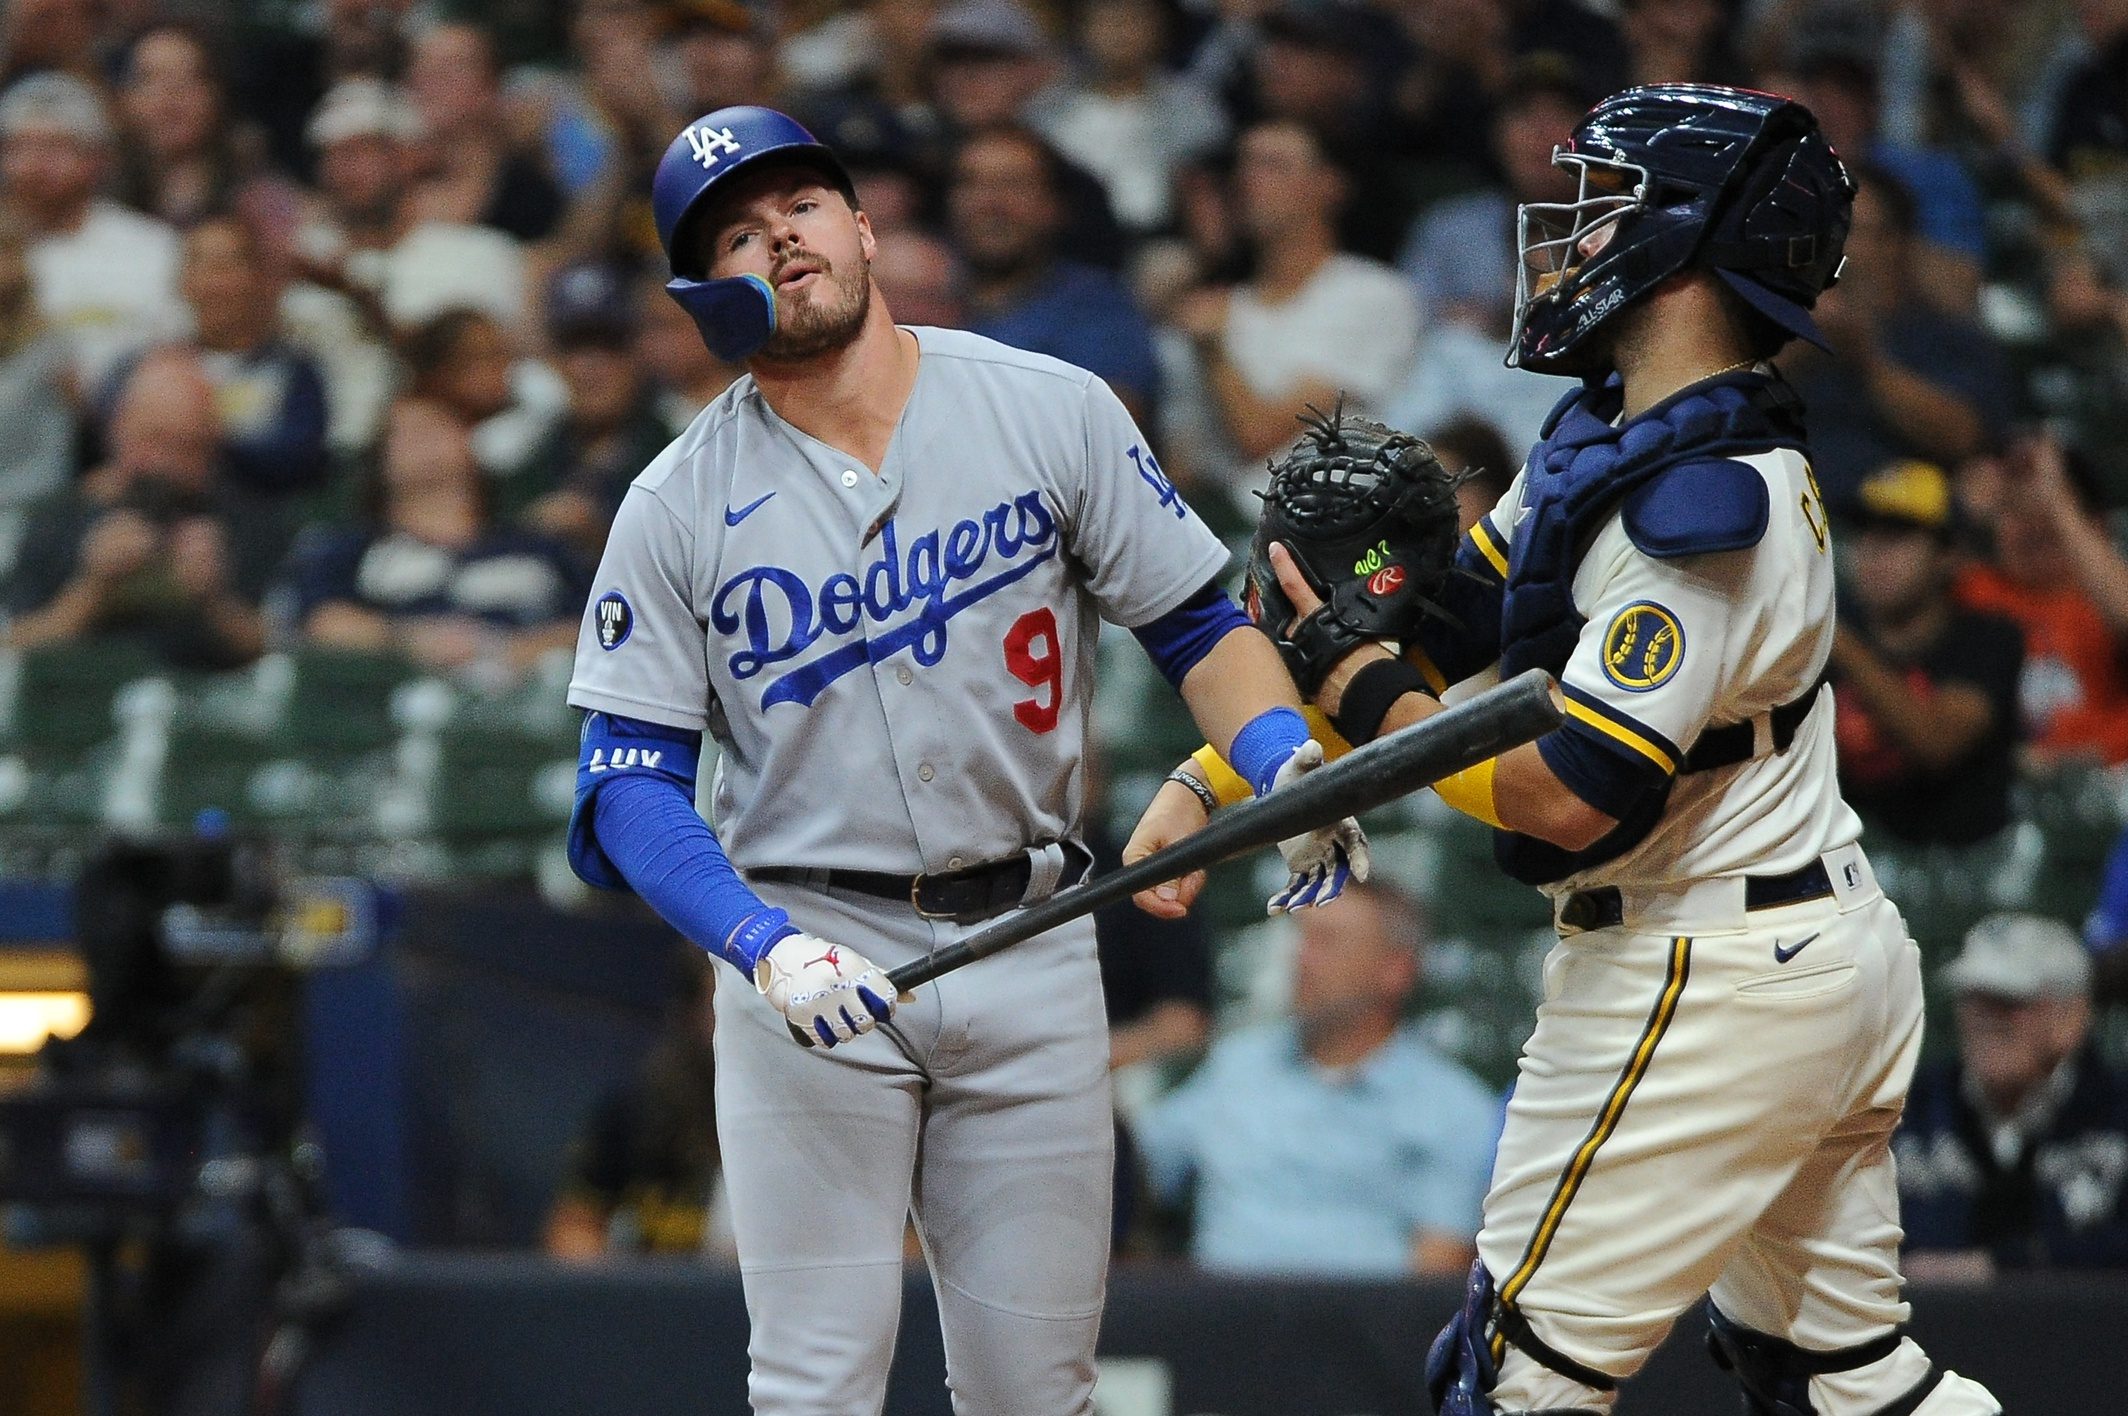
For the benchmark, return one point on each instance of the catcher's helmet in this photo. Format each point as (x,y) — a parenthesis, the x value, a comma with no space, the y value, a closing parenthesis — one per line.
(738,314)
(1739,182)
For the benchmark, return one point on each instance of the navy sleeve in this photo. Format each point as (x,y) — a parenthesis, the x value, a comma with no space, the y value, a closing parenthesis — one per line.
(1596,769)
(1178,641)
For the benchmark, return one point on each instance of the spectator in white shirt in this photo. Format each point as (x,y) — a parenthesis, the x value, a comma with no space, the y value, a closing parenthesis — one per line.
(105,278)
(1130,121)
(363,236)
(1312,322)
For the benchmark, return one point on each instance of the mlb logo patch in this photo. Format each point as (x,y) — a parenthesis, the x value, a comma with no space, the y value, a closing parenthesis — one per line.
(614,619)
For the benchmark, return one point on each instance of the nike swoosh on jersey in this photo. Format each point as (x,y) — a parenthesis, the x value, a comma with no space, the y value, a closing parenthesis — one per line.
(1782,956)
(733,518)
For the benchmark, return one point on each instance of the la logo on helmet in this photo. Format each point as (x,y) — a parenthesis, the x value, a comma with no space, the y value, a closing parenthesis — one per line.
(708,143)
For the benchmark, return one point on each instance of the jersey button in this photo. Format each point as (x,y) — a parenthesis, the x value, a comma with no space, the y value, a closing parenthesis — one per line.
(902,675)
(923,773)
(849,476)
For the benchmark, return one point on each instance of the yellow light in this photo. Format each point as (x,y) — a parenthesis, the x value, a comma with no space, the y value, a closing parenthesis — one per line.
(26,1019)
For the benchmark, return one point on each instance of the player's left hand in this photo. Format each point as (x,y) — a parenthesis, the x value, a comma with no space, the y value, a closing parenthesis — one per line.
(1173,813)
(1305,603)
(1323,860)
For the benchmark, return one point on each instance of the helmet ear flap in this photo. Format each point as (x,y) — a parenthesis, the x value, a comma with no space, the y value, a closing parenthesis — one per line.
(1797,186)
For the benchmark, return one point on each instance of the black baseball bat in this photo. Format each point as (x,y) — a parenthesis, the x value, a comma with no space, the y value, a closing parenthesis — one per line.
(1524,708)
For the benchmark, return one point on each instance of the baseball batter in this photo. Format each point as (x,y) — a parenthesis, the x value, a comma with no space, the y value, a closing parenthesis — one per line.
(1733,1011)
(873,572)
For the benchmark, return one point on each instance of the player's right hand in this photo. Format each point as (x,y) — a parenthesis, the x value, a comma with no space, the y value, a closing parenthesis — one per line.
(1173,813)
(828,993)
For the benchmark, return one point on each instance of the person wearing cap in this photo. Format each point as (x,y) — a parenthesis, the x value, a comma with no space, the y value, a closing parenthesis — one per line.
(871,572)
(2014,1153)
(1927,702)
(1734,1006)
(364,237)
(989,59)
(105,277)
(573,478)
(1900,378)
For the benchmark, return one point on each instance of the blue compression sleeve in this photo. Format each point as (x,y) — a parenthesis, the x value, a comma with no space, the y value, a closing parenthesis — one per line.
(1263,745)
(650,830)
(1178,641)
(635,825)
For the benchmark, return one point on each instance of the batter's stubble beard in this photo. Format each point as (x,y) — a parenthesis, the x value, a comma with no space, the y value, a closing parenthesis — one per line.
(809,329)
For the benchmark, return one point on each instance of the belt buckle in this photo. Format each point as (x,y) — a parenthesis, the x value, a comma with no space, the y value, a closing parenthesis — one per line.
(982,911)
(916,897)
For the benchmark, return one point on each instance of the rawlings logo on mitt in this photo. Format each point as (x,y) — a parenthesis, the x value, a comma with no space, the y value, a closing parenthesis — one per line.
(1369,514)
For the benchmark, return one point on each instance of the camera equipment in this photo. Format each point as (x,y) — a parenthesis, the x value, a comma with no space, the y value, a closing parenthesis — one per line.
(166,1139)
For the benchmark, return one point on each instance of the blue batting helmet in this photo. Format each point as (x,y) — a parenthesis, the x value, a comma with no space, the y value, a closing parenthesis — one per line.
(735,315)
(1737,182)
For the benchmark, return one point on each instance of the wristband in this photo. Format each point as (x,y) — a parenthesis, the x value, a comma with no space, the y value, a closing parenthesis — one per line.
(756,935)
(1367,699)
(1263,745)
(1198,789)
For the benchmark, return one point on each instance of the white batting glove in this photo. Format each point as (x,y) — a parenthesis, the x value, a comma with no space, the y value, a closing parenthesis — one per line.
(1323,860)
(828,993)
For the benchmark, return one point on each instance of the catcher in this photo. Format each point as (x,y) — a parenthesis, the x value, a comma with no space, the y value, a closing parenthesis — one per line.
(1733,1011)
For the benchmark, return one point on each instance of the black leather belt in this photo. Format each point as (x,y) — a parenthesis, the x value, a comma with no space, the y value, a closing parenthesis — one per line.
(963,896)
(1603,907)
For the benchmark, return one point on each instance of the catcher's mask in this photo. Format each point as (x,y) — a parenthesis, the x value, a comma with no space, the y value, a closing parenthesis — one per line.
(1680,175)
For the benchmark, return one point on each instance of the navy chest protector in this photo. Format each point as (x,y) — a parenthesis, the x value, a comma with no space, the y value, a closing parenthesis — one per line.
(1586,468)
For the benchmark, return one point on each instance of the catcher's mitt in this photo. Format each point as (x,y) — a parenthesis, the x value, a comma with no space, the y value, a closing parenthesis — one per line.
(1369,515)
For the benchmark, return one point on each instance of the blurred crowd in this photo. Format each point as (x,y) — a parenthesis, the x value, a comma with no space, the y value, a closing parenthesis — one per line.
(339,325)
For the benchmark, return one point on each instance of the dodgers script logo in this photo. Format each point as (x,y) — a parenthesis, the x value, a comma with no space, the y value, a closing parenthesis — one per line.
(780,617)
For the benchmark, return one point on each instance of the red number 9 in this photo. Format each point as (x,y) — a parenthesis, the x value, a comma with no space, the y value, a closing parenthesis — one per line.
(1033,654)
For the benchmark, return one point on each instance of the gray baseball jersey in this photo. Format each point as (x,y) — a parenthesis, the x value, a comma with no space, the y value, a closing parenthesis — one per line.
(897,667)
